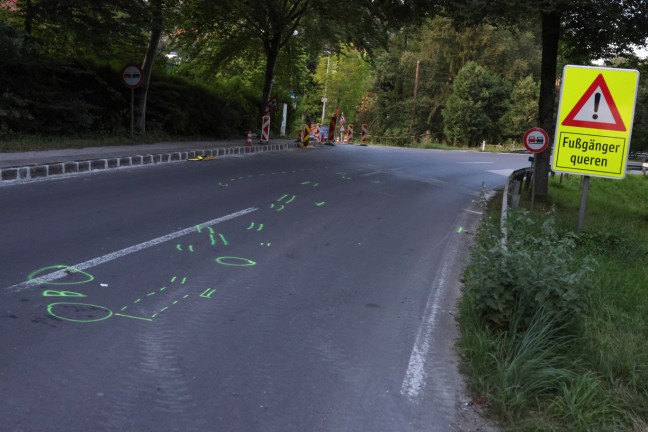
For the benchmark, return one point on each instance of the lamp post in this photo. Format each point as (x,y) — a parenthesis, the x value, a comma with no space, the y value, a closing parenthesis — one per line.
(324,99)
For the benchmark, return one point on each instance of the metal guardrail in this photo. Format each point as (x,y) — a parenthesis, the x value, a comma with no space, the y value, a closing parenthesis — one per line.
(516,182)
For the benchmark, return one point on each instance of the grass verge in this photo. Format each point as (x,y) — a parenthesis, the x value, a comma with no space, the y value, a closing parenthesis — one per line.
(554,327)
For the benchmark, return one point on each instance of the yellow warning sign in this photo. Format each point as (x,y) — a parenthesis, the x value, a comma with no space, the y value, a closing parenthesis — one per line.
(594,124)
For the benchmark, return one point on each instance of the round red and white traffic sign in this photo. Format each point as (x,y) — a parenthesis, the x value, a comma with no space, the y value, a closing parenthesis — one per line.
(132,76)
(536,140)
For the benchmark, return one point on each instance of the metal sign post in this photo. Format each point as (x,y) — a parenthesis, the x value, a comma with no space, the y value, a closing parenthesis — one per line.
(536,140)
(583,203)
(132,77)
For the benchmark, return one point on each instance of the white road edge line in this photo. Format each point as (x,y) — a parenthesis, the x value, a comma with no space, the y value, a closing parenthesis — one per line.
(415,375)
(127,251)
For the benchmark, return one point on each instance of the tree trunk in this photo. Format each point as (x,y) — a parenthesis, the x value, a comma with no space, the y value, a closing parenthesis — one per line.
(157,24)
(28,10)
(546,106)
(272,53)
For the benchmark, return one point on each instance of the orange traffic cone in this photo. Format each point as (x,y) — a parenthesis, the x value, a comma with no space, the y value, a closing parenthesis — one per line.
(248,142)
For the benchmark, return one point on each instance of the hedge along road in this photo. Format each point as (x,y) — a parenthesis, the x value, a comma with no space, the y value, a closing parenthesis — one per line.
(305,291)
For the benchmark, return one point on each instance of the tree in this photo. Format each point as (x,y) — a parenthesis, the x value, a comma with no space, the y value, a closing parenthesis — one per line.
(588,28)
(234,23)
(158,12)
(523,109)
(473,111)
(442,51)
(346,76)
(220,31)
(84,29)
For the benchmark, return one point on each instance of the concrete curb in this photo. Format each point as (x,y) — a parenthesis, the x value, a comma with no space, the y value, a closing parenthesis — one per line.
(30,172)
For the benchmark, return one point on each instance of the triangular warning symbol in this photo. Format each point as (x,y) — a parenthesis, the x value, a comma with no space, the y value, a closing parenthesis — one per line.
(596,109)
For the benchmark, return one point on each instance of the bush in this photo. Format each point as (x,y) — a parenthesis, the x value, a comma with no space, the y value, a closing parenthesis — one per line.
(537,269)
(52,97)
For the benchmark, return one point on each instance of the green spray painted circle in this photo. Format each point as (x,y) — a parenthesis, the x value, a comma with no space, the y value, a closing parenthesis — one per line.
(40,272)
(78,310)
(235,261)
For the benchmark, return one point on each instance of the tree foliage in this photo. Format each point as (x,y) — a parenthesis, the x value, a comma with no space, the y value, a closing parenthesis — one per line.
(588,28)
(473,111)
(523,109)
(442,51)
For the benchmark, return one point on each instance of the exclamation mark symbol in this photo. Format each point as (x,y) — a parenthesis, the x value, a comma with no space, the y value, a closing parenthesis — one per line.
(597,101)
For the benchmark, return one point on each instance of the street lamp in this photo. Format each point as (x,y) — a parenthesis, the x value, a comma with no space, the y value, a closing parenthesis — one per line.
(324,100)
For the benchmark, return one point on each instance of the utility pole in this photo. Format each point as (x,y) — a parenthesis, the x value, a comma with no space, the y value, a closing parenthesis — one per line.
(416,80)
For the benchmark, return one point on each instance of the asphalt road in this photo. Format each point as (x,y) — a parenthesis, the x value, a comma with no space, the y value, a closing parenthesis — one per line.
(309,290)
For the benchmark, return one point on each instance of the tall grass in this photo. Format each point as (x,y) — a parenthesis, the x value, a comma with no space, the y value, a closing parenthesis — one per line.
(589,377)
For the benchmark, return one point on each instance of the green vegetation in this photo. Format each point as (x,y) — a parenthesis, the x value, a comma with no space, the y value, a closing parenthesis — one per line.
(553,327)
(417,72)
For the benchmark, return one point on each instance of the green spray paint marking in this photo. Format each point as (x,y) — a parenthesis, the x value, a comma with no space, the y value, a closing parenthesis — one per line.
(223,184)
(134,317)
(280,207)
(198,228)
(175,302)
(191,248)
(137,301)
(173,279)
(320,204)
(179,247)
(212,240)
(460,230)
(235,261)
(67,270)
(223,239)
(266,244)
(184,279)
(291,199)
(252,226)
(53,293)
(208,293)
(78,309)
(305,183)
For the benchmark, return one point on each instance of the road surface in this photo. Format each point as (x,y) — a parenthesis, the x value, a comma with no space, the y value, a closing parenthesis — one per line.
(310,290)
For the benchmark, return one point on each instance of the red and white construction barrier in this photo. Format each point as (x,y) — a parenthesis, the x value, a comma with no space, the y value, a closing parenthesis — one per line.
(363,134)
(349,137)
(265,129)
